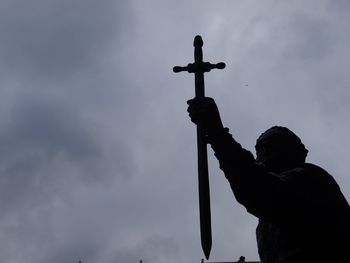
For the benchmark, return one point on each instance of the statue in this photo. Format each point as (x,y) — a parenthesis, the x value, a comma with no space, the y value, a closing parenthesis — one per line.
(303,215)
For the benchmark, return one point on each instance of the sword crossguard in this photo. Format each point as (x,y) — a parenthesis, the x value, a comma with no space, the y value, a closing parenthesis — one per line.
(199,67)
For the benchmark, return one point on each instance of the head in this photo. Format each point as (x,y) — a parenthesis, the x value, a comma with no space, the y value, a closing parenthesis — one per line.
(279,149)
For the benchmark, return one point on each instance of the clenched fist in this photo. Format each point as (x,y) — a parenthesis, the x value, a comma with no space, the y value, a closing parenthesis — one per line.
(204,112)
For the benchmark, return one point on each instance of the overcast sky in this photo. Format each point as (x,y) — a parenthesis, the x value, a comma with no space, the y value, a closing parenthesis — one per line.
(97,154)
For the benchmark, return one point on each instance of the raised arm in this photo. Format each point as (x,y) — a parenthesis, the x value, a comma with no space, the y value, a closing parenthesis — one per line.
(265,195)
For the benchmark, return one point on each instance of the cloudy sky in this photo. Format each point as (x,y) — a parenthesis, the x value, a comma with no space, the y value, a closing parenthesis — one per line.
(97,155)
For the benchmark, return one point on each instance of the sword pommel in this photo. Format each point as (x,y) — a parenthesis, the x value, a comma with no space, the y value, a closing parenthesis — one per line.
(198,41)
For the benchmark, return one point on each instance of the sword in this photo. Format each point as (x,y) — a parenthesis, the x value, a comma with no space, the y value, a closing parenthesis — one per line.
(198,68)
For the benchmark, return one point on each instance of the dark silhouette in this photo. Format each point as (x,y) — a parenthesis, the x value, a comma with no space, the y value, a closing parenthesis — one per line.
(199,68)
(303,216)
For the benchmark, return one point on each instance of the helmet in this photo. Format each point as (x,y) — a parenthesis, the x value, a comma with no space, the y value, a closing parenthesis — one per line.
(280,149)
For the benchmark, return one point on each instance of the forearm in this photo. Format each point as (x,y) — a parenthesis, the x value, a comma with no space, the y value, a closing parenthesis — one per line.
(252,186)
(238,164)
(230,153)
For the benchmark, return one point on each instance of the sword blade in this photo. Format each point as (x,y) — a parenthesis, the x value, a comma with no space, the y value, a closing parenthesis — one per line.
(204,193)
(203,175)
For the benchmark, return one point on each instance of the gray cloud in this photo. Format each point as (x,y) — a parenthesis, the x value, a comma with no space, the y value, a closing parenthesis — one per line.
(97,154)
(58,39)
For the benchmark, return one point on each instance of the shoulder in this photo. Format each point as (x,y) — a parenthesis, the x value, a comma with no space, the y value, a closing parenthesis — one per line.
(307,171)
(310,178)
(309,167)
(318,174)
(321,182)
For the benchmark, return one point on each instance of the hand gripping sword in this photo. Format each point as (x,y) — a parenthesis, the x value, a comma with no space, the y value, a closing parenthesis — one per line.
(198,68)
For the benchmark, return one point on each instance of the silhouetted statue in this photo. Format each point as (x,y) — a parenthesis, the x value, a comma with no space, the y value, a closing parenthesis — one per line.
(303,216)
